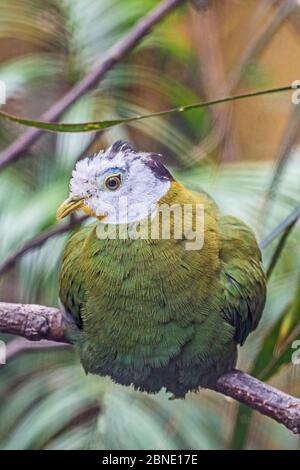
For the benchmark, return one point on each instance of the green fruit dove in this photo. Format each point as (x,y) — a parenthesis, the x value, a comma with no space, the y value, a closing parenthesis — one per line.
(155,310)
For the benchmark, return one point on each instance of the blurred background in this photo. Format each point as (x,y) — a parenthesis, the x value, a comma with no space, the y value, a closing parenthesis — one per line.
(246,155)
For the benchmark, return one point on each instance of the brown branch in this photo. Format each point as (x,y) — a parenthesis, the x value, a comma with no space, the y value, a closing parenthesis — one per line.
(262,397)
(36,322)
(97,73)
(33,322)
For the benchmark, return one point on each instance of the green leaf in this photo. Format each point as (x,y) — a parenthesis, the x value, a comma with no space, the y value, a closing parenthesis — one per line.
(99,125)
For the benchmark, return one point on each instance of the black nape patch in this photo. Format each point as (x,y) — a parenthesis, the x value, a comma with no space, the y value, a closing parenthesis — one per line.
(159,169)
(120,146)
(88,158)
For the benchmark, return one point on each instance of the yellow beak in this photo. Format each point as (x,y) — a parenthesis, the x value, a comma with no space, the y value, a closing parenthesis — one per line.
(69,206)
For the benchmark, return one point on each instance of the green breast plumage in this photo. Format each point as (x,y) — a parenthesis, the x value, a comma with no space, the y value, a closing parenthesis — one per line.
(153,314)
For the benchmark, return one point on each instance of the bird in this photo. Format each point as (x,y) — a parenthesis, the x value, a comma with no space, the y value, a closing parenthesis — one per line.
(155,312)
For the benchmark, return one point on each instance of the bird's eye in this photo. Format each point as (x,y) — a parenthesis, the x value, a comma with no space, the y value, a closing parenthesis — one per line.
(113,182)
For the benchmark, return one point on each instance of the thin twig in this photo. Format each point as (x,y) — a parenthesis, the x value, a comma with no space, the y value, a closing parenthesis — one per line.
(20,346)
(36,322)
(118,52)
(252,51)
(258,44)
(284,225)
(95,126)
(213,79)
(40,240)
(97,73)
(279,248)
(290,135)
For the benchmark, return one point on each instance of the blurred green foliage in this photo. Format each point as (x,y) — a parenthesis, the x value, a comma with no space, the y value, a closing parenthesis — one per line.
(46,401)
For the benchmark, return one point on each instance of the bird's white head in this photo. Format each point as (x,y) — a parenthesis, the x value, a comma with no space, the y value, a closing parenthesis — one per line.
(119,185)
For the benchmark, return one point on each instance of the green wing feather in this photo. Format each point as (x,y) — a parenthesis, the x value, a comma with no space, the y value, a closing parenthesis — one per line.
(242,277)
